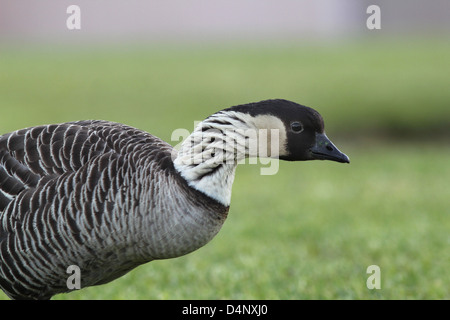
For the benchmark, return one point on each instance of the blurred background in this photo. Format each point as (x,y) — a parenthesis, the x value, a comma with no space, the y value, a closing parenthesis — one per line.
(161,65)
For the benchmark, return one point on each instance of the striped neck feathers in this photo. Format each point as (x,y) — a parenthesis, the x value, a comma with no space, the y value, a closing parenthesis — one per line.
(208,157)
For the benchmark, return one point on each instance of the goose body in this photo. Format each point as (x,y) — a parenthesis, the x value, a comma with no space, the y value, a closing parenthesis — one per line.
(107,197)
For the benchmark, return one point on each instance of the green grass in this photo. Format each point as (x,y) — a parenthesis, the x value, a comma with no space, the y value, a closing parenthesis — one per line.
(376,86)
(311,230)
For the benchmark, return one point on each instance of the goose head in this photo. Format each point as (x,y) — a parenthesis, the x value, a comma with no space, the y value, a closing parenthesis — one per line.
(300,130)
(278,128)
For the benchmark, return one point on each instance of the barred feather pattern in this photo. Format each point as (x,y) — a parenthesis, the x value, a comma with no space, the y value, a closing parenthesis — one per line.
(208,158)
(92,194)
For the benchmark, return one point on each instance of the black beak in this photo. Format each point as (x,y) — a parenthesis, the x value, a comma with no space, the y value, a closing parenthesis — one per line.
(324,149)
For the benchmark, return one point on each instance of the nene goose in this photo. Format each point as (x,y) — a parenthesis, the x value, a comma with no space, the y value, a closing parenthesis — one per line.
(107,197)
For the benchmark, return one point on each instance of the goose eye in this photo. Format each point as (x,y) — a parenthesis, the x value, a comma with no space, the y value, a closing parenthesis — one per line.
(296,127)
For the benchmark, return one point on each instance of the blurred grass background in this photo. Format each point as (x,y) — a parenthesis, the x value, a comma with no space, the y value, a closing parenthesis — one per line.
(311,230)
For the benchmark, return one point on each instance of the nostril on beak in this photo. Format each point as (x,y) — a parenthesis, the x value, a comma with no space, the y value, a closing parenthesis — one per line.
(329,148)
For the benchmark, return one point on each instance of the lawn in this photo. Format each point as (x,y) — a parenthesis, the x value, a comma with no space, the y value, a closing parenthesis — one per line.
(378,87)
(311,230)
